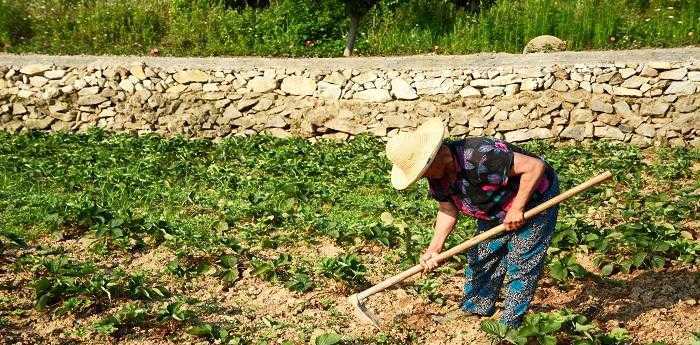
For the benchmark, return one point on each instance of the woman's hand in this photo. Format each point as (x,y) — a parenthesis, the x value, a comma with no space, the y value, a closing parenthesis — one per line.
(427,260)
(514,219)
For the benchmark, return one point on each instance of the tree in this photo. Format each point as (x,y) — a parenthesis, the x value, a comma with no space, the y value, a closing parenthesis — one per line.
(355,9)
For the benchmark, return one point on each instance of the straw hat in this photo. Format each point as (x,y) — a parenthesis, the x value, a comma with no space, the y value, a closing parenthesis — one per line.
(411,153)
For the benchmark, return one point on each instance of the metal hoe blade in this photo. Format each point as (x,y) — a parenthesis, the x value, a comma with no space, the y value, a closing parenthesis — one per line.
(363,313)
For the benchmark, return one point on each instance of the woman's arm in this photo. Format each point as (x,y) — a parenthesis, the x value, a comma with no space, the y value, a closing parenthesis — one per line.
(530,170)
(444,223)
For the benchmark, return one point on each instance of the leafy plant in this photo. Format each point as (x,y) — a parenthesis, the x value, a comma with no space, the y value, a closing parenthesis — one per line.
(271,270)
(129,316)
(214,333)
(328,339)
(174,311)
(345,267)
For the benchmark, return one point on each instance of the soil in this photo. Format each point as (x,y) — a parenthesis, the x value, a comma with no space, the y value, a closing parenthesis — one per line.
(652,305)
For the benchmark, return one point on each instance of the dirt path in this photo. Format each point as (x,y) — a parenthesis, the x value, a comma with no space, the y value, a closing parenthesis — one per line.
(422,62)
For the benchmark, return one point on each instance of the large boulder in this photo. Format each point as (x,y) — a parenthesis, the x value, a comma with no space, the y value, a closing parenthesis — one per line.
(544,44)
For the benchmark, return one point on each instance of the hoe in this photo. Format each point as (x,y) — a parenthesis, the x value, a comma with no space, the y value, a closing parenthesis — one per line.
(358,299)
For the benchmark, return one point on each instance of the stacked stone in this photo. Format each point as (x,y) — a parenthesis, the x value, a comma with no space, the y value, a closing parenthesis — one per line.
(643,104)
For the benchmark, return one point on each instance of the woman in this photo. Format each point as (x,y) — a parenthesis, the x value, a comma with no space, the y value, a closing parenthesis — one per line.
(494,182)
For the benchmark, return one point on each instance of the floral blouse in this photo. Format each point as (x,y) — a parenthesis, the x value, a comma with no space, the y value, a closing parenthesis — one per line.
(483,188)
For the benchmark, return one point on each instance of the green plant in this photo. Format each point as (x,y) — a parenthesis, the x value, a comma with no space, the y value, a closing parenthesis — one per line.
(271,270)
(214,333)
(300,282)
(229,271)
(328,339)
(129,316)
(345,267)
(174,311)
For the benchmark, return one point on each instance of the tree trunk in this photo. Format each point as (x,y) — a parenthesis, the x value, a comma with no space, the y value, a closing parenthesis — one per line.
(352,35)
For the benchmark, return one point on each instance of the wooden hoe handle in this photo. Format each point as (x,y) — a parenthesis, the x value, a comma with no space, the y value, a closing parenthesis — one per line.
(483,236)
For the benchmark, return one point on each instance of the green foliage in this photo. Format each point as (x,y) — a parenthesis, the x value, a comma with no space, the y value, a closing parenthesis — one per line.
(328,339)
(15,26)
(129,316)
(272,270)
(552,328)
(318,28)
(344,267)
(174,311)
(215,333)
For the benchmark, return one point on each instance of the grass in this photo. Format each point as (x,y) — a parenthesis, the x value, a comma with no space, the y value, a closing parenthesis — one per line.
(318,28)
(250,204)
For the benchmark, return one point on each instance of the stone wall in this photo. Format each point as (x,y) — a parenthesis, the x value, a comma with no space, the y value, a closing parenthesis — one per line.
(636,101)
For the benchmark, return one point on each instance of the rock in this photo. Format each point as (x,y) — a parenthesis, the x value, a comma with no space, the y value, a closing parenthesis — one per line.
(373,95)
(263,104)
(582,115)
(91,100)
(518,135)
(640,141)
(175,89)
(54,74)
(39,124)
(279,133)
(38,81)
(275,121)
(646,130)
(336,78)
(231,113)
(210,87)
(597,104)
(541,133)
(634,82)
(137,71)
(686,106)
(648,72)
(57,112)
(34,69)
(627,72)
(18,109)
(262,85)
(654,108)
(491,92)
(623,91)
(402,90)
(343,125)
(610,119)
(578,132)
(365,78)
(298,85)
(674,74)
(93,90)
(544,44)
(681,88)
(622,108)
(529,85)
(503,80)
(480,83)
(128,87)
(560,85)
(191,76)
(694,76)
(512,89)
(609,132)
(469,91)
(246,104)
(329,91)
(435,86)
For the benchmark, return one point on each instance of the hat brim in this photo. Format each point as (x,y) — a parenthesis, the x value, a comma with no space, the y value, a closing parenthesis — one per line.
(430,136)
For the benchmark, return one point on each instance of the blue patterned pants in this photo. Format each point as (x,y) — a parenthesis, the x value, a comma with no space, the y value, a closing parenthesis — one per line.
(519,255)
